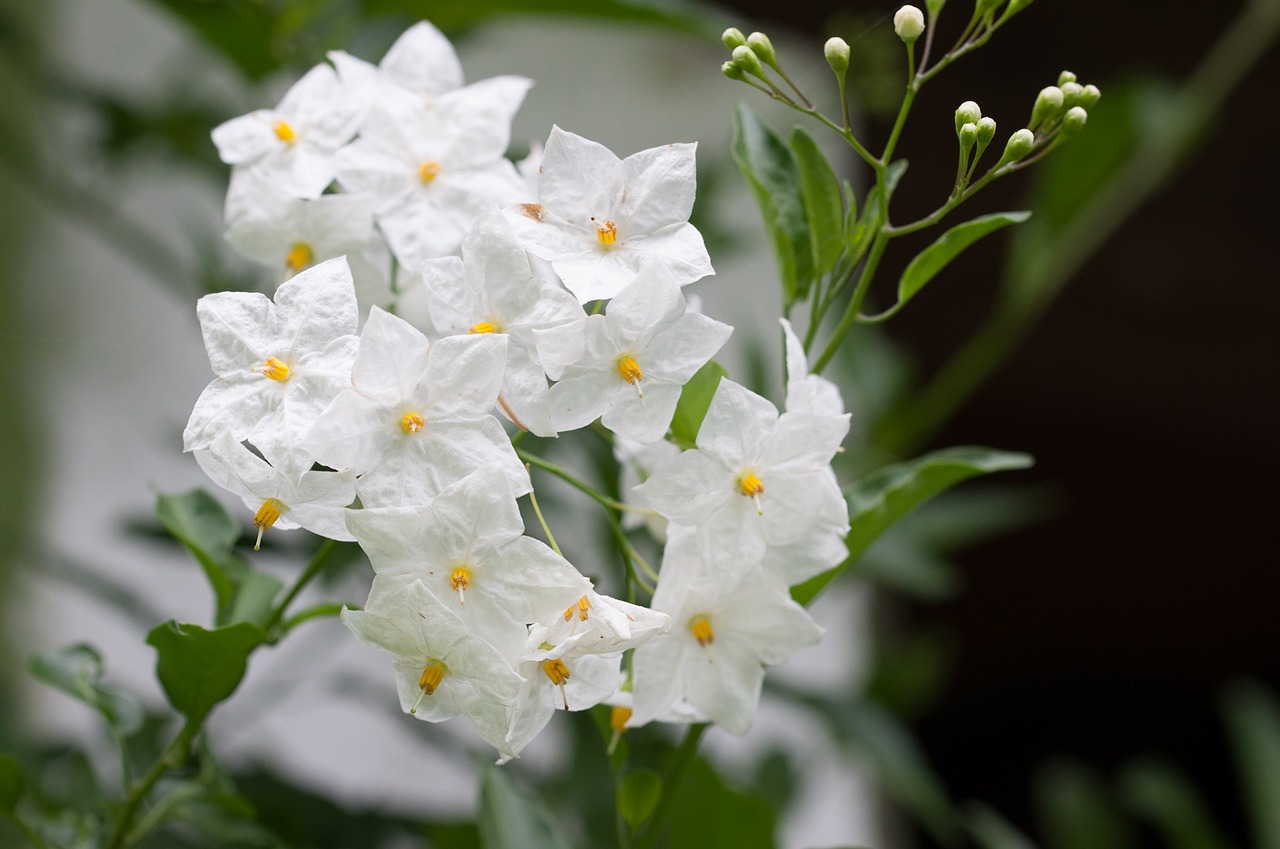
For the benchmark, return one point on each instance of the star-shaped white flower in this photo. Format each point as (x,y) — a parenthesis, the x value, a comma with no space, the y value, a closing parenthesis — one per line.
(492,289)
(421,64)
(807,392)
(723,634)
(627,367)
(278,365)
(292,146)
(416,418)
(442,669)
(598,219)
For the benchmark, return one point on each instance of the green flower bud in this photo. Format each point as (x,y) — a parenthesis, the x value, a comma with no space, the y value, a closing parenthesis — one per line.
(986,131)
(967,113)
(1018,146)
(1066,77)
(968,137)
(1071,94)
(1048,104)
(733,37)
(1074,121)
(763,48)
(908,23)
(837,52)
(1090,96)
(748,61)
(733,72)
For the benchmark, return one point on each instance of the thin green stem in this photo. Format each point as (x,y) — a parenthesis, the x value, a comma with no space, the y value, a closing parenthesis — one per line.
(850,317)
(793,86)
(575,482)
(318,561)
(174,755)
(316,612)
(546,529)
(671,783)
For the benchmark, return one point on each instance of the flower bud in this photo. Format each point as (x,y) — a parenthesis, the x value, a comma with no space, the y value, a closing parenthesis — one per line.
(967,113)
(1066,77)
(968,137)
(748,61)
(1018,146)
(733,72)
(733,37)
(908,23)
(763,48)
(1048,104)
(1071,94)
(1090,96)
(986,132)
(837,52)
(1074,121)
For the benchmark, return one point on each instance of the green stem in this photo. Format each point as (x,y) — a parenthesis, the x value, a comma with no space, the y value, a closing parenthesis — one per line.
(318,562)
(316,612)
(572,480)
(850,317)
(174,755)
(33,836)
(546,529)
(670,784)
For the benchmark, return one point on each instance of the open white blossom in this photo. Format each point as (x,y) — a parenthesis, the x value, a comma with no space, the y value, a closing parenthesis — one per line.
(420,65)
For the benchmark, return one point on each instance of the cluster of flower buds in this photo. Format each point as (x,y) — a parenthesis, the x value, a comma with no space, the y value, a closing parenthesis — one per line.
(311,413)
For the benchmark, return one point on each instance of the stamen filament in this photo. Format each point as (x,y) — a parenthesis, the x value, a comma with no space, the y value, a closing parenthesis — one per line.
(432,675)
(752,487)
(631,372)
(558,673)
(266,516)
(460,580)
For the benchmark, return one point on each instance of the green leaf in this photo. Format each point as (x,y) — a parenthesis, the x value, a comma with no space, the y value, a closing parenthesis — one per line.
(1076,812)
(76,671)
(708,812)
(1161,794)
(199,668)
(774,177)
(948,246)
(243,32)
(198,521)
(639,795)
(695,398)
(821,192)
(508,819)
(11,782)
(992,831)
(883,497)
(253,599)
(1253,722)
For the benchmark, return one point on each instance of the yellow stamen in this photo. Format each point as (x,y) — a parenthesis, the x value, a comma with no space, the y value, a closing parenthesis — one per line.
(284,132)
(427,171)
(607,232)
(431,677)
(460,580)
(266,516)
(752,487)
(412,422)
(273,368)
(298,257)
(700,625)
(582,606)
(618,718)
(483,327)
(631,372)
(558,673)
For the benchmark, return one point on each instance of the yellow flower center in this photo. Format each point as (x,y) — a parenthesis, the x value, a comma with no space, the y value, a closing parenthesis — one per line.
(298,257)
(428,170)
(583,605)
(432,675)
(284,132)
(460,581)
(273,368)
(700,625)
(412,422)
(606,232)
(483,327)
(558,673)
(266,516)
(752,487)
(631,372)
(618,718)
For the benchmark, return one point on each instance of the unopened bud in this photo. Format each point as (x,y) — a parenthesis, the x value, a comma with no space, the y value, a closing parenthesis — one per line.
(986,131)
(733,72)
(1090,96)
(1071,94)
(733,37)
(1066,77)
(1048,104)
(908,23)
(1074,121)
(968,137)
(967,113)
(747,60)
(837,52)
(763,48)
(1018,146)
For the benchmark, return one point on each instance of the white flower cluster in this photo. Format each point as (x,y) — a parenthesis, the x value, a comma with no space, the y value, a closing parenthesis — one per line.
(310,415)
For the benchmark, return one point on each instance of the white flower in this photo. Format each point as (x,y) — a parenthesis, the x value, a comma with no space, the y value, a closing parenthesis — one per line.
(421,64)
(627,367)
(755,479)
(280,498)
(806,392)
(468,548)
(599,218)
(492,289)
(430,171)
(442,669)
(597,624)
(416,418)
(278,365)
(723,634)
(636,462)
(292,146)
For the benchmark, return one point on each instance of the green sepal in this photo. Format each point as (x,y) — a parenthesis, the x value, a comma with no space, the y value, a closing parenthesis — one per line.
(695,398)
(76,671)
(199,668)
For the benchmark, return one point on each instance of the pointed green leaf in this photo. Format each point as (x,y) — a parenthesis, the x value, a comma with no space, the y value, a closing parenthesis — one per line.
(695,398)
(508,819)
(253,599)
(1162,795)
(883,497)
(199,668)
(1253,720)
(821,192)
(198,521)
(639,795)
(706,811)
(774,177)
(11,782)
(948,246)
(76,671)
